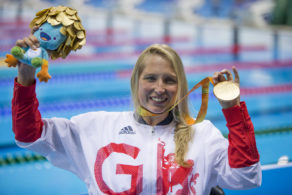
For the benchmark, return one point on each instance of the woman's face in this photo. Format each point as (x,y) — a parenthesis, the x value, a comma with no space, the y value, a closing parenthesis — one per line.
(157,86)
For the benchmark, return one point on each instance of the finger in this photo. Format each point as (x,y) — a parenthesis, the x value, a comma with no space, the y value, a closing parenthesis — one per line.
(215,77)
(228,74)
(21,43)
(35,28)
(28,42)
(34,40)
(236,75)
(221,77)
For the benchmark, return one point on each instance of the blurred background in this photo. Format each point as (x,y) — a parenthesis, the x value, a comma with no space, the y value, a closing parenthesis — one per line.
(209,35)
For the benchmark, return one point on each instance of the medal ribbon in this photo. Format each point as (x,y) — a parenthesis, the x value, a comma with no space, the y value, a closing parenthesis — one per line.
(204,104)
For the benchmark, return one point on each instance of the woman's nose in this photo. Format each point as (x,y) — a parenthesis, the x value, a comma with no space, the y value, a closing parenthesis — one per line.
(159,87)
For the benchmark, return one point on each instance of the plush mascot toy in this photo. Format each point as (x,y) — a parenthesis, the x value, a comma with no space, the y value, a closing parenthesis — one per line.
(60,31)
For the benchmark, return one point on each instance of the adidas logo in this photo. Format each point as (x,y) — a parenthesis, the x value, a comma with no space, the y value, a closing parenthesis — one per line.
(127,130)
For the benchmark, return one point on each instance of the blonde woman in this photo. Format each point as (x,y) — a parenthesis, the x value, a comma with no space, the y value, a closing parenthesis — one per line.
(131,153)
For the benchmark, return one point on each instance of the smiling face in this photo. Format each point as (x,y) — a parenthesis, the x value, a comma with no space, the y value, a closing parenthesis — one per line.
(157,85)
(49,36)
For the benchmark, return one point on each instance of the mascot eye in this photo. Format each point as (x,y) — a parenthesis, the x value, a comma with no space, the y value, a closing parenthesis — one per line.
(54,38)
(41,28)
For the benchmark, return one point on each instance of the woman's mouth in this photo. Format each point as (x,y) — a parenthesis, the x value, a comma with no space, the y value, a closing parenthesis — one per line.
(158,99)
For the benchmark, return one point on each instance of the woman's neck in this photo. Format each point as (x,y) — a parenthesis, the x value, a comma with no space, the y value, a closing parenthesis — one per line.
(163,119)
(152,120)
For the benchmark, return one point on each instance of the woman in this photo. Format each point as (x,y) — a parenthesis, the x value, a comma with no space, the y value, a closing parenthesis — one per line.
(130,153)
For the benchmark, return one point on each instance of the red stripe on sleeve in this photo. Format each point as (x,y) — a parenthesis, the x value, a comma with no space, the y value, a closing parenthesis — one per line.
(242,150)
(26,118)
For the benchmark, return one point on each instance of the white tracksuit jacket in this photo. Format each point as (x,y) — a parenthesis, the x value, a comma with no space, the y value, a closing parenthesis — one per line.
(115,154)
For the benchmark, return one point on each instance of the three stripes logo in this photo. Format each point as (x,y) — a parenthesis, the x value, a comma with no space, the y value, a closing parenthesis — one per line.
(127,130)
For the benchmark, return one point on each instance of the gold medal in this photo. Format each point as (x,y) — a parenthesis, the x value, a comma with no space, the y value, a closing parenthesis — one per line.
(82,42)
(80,35)
(70,11)
(226,91)
(53,21)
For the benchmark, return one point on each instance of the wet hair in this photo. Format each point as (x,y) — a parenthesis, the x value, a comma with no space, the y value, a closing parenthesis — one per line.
(183,132)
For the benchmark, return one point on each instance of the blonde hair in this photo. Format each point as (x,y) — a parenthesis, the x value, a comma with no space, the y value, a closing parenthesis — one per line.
(71,27)
(183,132)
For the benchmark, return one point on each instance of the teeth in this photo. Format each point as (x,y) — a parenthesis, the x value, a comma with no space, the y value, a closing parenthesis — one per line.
(158,99)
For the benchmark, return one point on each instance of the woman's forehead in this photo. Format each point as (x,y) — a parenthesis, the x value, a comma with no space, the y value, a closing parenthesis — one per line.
(157,63)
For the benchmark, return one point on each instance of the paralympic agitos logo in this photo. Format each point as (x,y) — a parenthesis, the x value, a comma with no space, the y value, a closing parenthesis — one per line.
(169,173)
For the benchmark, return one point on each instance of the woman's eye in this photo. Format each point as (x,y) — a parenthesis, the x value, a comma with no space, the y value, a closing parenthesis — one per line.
(170,81)
(150,78)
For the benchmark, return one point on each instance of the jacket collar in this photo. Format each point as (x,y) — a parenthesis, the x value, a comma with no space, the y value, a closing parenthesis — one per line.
(166,121)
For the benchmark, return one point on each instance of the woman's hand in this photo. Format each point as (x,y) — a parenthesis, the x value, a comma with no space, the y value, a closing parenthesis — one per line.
(30,41)
(26,73)
(226,75)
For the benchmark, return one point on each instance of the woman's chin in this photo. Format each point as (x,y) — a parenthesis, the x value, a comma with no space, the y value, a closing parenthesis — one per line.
(157,111)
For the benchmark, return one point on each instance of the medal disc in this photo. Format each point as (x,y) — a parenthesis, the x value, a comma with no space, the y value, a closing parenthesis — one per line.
(226,91)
